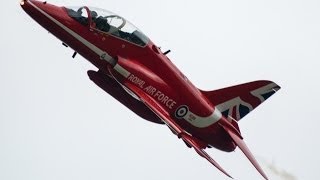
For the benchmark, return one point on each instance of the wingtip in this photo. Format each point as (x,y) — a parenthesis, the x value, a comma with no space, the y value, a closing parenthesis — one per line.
(224,172)
(230,176)
(264,175)
(243,147)
(192,142)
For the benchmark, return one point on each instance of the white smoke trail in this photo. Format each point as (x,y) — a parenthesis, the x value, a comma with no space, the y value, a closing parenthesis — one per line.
(279,172)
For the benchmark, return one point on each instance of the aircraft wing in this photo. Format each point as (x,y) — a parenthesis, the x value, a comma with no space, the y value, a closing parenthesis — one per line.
(193,142)
(238,140)
(198,145)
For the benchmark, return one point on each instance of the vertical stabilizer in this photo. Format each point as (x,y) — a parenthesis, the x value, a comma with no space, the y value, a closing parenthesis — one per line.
(237,101)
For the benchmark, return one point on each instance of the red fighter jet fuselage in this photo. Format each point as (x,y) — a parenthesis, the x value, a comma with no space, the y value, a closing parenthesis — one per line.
(132,69)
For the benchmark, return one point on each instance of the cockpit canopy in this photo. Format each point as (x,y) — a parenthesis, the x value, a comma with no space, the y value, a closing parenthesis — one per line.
(108,22)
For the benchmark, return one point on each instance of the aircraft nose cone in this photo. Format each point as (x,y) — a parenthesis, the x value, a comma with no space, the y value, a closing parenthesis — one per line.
(43,12)
(30,5)
(22,3)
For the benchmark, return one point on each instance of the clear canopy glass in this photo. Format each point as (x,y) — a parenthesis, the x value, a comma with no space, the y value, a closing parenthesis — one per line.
(108,22)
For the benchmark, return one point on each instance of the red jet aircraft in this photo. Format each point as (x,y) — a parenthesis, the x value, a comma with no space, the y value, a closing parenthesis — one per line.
(134,71)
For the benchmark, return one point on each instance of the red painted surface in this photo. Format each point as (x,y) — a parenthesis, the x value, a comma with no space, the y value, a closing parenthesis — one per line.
(159,84)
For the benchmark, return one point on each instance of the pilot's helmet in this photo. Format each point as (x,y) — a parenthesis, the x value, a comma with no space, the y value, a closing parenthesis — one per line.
(94,14)
(79,11)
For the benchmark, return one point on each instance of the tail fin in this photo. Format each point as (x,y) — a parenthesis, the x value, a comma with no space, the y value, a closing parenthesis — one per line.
(237,101)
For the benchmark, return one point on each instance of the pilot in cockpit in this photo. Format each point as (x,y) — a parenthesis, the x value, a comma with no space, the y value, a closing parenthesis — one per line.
(77,15)
(94,15)
(101,23)
(107,22)
(82,19)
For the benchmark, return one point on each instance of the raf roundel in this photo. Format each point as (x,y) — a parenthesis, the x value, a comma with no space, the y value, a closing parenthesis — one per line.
(182,111)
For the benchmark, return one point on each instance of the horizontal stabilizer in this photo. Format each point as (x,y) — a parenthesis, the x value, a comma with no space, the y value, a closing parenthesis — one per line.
(241,144)
(193,142)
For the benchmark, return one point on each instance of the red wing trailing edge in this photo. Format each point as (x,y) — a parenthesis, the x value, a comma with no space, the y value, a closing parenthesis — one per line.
(243,147)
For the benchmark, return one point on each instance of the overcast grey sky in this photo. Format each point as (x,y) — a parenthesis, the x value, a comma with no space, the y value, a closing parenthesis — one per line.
(56,124)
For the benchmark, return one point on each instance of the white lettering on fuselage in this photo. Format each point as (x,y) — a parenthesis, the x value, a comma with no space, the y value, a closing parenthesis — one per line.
(150,90)
(162,98)
(156,94)
(136,80)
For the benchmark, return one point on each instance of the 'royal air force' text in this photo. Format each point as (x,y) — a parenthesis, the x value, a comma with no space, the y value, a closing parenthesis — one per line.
(158,95)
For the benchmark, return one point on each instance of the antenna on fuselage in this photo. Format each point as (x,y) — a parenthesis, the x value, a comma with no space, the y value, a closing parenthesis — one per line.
(74,54)
(167,52)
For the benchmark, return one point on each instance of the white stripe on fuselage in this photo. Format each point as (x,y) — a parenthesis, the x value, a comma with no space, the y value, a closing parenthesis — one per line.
(122,71)
(195,120)
(202,122)
(91,46)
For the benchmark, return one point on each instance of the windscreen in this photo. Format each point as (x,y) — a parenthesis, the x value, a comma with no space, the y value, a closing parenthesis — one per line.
(108,22)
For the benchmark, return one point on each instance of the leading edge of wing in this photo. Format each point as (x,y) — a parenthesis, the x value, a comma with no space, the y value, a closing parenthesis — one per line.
(162,114)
